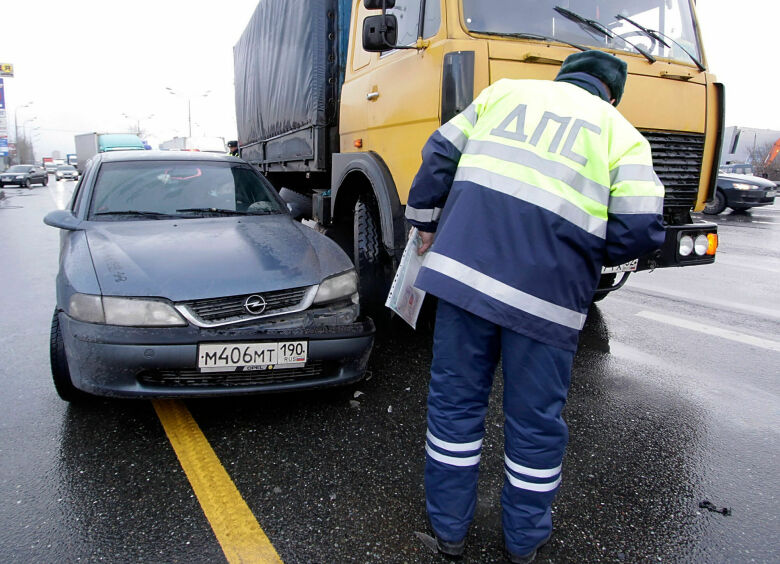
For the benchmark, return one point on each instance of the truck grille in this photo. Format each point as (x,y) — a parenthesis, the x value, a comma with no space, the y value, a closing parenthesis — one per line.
(314,370)
(232,307)
(677,159)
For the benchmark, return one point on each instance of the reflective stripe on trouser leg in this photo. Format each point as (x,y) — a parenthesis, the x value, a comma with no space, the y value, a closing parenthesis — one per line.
(536,382)
(465,353)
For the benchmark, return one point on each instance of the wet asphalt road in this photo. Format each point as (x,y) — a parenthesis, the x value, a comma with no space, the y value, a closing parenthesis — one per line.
(674,400)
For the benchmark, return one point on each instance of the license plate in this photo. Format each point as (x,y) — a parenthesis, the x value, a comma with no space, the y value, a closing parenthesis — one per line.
(625,267)
(251,356)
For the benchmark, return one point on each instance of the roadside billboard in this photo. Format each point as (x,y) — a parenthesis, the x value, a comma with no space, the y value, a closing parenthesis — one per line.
(3,123)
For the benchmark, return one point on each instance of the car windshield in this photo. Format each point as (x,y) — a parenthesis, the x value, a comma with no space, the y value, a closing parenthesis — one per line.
(144,189)
(20,168)
(672,18)
(65,167)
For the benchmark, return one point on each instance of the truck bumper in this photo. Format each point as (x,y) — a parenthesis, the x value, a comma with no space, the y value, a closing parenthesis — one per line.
(669,254)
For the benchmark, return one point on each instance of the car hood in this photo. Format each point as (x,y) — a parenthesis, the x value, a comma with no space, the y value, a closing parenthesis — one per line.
(189,259)
(749,179)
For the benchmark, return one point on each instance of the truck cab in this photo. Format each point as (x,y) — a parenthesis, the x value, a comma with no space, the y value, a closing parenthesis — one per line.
(397,69)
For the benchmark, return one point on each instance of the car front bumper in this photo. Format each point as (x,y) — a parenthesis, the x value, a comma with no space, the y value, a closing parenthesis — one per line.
(14,182)
(162,362)
(748,198)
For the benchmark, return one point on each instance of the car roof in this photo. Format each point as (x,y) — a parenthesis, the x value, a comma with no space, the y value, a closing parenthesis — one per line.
(128,156)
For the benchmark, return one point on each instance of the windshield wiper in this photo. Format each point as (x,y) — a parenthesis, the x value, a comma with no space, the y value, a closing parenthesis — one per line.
(602,29)
(212,210)
(155,215)
(533,36)
(657,35)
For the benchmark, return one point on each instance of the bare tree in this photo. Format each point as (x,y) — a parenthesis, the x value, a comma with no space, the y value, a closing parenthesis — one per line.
(24,150)
(760,157)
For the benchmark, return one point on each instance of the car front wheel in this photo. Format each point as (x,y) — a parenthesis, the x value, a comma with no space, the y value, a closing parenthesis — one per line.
(45,180)
(59,365)
(27,184)
(717,205)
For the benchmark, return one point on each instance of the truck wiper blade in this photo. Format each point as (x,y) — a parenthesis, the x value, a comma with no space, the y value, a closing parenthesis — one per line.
(602,29)
(533,36)
(657,35)
(156,215)
(652,34)
(212,210)
(593,24)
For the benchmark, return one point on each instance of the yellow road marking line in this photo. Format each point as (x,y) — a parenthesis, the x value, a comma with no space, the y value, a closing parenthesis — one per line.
(238,532)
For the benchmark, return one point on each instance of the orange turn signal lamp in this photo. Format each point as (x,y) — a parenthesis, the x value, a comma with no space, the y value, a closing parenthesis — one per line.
(358,143)
(712,243)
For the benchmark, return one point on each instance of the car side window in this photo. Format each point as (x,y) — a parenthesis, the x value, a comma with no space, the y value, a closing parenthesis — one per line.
(79,193)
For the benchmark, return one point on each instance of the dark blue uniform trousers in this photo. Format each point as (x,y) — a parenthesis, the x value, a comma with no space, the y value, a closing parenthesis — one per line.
(466,351)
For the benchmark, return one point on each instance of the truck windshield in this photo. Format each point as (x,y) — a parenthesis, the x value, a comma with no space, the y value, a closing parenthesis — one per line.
(672,19)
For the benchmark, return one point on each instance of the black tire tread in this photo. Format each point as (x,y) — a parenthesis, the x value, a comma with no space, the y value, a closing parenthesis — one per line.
(59,366)
(716,209)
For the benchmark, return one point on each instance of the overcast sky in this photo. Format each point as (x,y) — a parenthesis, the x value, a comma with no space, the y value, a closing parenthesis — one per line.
(84,63)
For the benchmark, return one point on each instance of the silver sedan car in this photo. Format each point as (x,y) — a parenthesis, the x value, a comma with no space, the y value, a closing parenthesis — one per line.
(183,274)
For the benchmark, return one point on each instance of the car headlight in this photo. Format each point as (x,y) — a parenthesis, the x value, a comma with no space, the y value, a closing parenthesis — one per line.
(743,186)
(129,312)
(336,287)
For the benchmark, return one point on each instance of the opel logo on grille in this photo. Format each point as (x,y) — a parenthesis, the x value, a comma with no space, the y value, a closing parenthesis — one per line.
(255,304)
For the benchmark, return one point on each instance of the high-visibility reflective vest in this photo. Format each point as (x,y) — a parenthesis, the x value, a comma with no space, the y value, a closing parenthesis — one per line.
(531,190)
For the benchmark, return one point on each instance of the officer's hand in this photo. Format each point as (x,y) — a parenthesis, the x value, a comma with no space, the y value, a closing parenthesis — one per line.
(427,241)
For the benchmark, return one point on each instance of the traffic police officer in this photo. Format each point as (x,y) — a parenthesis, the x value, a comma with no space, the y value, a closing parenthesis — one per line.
(233,148)
(530,191)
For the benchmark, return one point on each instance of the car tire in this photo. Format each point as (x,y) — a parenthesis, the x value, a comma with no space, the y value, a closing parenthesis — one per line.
(27,184)
(59,365)
(717,205)
(371,264)
(45,180)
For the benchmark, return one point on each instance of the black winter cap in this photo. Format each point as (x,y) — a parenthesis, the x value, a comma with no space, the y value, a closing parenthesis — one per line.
(607,68)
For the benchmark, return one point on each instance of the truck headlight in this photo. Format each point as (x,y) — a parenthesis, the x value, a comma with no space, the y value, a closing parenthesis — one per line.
(128,312)
(686,245)
(701,244)
(336,287)
(743,186)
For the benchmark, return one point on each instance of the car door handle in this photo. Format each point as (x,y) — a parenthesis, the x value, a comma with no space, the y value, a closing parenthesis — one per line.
(371,96)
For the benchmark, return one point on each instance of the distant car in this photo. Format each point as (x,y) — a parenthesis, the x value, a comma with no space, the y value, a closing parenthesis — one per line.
(51,168)
(24,175)
(736,168)
(183,274)
(740,192)
(66,171)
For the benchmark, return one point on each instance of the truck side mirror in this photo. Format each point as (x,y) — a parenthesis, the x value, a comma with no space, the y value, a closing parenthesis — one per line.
(377,4)
(380,33)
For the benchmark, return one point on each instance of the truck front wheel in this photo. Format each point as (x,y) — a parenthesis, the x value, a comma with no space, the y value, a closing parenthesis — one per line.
(371,265)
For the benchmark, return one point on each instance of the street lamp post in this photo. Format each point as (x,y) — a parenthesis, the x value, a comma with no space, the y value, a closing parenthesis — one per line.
(16,127)
(189,106)
(138,121)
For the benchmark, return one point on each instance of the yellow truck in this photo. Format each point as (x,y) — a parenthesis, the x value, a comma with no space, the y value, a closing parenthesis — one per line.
(335,99)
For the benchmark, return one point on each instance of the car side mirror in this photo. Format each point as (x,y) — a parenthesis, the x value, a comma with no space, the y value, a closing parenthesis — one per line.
(380,33)
(63,219)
